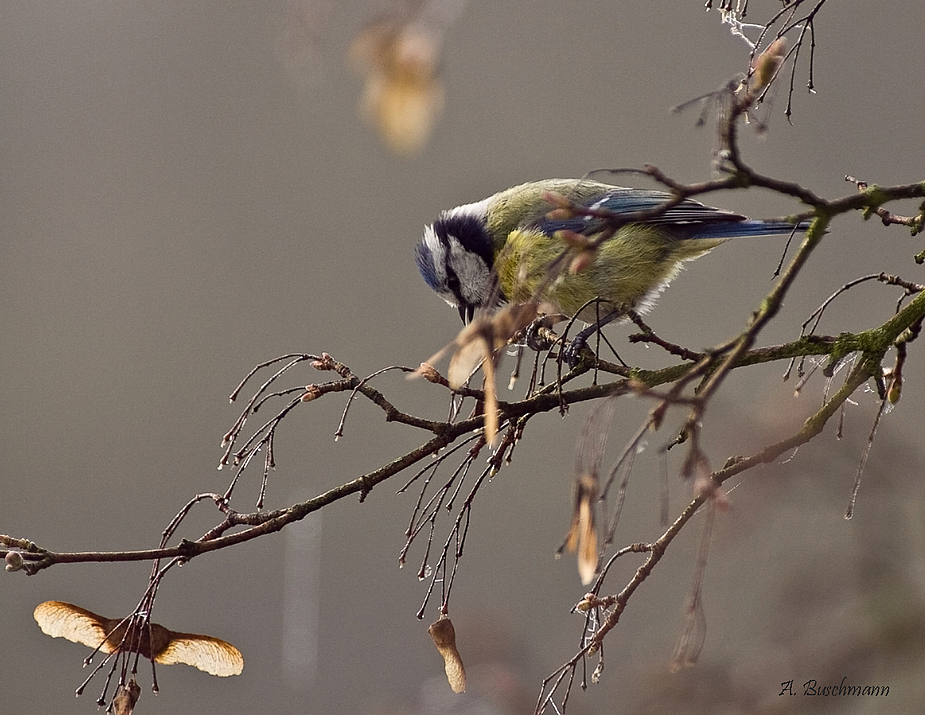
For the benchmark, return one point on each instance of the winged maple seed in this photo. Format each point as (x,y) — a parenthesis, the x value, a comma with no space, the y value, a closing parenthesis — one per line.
(582,535)
(65,620)
(444,635)
(123,703)
(480,343)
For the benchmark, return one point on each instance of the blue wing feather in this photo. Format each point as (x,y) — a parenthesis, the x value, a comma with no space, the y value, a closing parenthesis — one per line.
(687,220)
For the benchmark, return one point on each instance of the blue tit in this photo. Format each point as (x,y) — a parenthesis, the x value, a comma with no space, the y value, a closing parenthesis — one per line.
(498,250)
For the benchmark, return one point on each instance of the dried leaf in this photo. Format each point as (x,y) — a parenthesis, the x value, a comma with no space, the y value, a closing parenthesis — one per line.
(444,635)
(479,343)
(582,535)
(403,96)
(472,347)
(767,63)
(123,703)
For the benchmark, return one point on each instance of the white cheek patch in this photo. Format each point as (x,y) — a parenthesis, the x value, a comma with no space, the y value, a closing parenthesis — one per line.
(474,276)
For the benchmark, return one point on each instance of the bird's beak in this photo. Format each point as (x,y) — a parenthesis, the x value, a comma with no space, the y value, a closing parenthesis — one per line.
(466,313)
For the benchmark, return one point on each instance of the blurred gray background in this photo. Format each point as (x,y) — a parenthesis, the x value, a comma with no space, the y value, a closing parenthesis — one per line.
(185,193)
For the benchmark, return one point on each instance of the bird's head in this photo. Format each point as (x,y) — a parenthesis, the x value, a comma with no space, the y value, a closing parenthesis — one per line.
(456,256)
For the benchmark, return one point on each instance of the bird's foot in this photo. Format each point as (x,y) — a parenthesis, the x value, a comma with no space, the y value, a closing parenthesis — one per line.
(539,335)
(573,350)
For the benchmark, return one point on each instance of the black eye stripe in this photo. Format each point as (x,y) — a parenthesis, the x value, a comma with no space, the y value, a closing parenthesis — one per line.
(452,280)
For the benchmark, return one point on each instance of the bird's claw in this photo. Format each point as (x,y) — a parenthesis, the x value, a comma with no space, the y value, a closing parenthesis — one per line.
(539,336)
(573,349)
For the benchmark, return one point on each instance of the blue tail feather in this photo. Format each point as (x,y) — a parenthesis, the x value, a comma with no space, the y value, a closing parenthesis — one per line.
(735,229)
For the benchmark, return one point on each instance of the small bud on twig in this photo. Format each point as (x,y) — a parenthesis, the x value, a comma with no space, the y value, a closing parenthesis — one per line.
(13,560)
